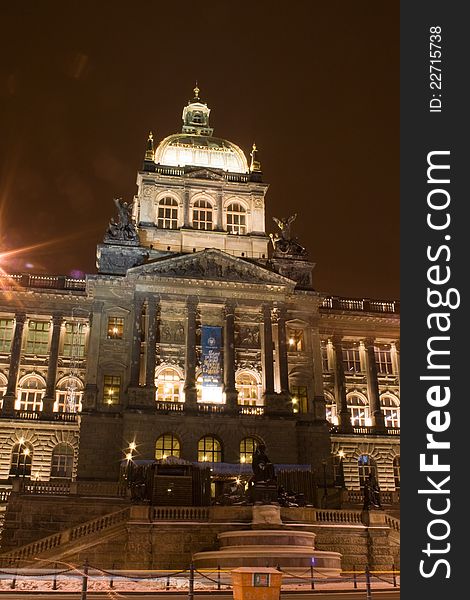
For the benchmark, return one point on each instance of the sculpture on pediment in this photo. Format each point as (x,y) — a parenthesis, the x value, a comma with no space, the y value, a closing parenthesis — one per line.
(124,228)
(284,244)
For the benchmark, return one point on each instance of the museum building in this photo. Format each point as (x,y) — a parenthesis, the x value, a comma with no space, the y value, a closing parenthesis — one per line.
(200,337)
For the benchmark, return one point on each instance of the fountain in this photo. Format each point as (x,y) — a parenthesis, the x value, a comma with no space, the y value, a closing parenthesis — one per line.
(269,542)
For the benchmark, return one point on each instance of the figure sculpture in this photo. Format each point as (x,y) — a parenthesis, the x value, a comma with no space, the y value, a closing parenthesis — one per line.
(371,493)
(124,229)
(284,244)
(263,469)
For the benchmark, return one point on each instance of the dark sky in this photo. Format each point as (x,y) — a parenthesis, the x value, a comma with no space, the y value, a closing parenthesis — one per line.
(316,84)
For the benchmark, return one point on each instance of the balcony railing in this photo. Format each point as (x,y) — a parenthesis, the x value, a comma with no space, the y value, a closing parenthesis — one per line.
(50,282)
(366,430)
(34,415)
(359,305)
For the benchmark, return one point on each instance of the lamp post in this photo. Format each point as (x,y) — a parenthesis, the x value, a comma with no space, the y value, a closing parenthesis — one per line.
(26,453)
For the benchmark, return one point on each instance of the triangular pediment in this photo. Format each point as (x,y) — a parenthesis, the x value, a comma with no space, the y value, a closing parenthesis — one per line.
(210,264)
(205,173)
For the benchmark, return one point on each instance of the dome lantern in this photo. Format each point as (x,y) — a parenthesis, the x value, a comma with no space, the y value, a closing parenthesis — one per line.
(196,116)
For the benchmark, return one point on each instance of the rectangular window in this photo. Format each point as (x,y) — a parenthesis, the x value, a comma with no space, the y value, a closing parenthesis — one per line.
(6,334)
(324,357)
(299,398)
(37,341)
(74,340)
(296,340)
(115,328)
(111,389)
(383,358)
(351,360)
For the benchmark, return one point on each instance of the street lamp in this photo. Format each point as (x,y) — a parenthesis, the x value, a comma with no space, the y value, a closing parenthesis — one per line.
(26,453)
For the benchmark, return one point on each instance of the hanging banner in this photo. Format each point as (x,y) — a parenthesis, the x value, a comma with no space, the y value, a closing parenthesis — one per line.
(211,339)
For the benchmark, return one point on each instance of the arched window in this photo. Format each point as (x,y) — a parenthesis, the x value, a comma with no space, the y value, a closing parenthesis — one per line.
(247,448)
(69,395)
(167,213)
(62,461)
(30,394)
(202,215)
(169,386)
(209,449)
(366,466)
(248,389)
(21,459)
(396,472)
(358,410)
(167,445)
(236,218)
(390,406)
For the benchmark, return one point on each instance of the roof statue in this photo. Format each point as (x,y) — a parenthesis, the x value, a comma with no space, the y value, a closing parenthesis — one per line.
(284,244)
(124,229)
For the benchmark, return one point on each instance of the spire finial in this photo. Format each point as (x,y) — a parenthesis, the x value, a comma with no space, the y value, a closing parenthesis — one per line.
(149,151)
(196,92)
(255,164)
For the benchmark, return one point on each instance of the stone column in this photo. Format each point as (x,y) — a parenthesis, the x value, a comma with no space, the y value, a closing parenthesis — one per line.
(49,397)
(152,310)
(231,394)
(318,406)
(91,388)
(378,421)
(220,212)
(340,388)
(15,355)
(268,357)
(190,391)
(187,223)
(282,347)
(136,340)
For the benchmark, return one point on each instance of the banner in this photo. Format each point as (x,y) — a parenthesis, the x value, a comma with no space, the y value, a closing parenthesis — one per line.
(211,340)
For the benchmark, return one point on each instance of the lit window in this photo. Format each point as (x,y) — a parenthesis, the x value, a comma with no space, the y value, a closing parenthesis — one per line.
(351,360)
(111,389)
(21,460)
(202,215)
(396,472)
(62,461)
(324,357)
(236,218)
(169,386)
(358,410)
(115,328)
(6,334)
(247,449)
(69,396)
(383,359)
(167,445)
(247,388)
(299,398)
(30,394)
(331,412)
(167,214)
(74,339)
(366,466)
(37,341)
(390,406)
(209,449)
(296,340)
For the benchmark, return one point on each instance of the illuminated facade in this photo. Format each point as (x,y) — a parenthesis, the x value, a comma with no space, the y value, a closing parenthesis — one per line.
(94,371)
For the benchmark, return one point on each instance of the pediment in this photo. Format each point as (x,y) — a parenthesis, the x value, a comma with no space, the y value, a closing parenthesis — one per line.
(210,264)
(205,173)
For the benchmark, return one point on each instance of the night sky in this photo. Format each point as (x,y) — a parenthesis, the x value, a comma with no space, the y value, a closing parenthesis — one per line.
(315,84)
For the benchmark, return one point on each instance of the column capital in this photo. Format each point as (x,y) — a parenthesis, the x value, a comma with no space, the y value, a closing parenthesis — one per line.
(229,308)
(20,317)
(369,342)
(57,319)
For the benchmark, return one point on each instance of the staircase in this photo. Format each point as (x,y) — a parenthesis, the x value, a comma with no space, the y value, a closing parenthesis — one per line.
(69,541)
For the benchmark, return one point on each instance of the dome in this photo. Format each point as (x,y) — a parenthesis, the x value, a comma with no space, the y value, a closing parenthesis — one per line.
(181,149)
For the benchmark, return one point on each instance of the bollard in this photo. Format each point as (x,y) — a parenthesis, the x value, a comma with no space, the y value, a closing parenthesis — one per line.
(54,581)
(13,581)
(167,587)
(191,582)
(111,579)
(354,577)
(368,588)
(394,576)
(312,582)
(218,577)
(84,581)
